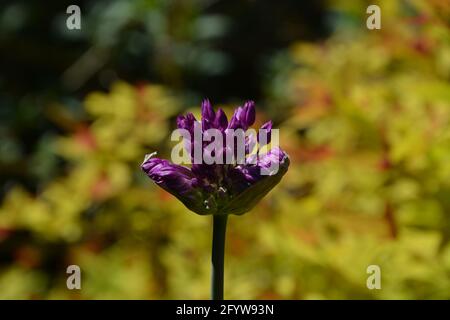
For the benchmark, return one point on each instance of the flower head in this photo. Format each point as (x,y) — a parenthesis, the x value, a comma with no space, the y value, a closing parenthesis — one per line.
(221,188)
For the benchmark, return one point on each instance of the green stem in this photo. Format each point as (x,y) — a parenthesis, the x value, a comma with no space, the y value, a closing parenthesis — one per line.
(217,257)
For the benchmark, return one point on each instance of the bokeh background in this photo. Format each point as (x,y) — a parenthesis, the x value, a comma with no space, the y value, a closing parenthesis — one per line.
(364,115)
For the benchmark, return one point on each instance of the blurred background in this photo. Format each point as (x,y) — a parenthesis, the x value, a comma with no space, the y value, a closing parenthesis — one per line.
(364,115)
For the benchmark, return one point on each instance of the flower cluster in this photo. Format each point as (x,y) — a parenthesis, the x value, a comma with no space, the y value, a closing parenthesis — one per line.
(231,188)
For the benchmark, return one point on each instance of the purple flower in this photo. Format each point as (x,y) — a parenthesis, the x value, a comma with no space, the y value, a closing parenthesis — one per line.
(232,188)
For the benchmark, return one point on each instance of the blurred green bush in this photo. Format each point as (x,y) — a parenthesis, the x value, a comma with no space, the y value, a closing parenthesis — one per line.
(365,117)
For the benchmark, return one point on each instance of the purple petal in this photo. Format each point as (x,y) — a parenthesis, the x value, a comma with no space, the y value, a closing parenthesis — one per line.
(169,175)
(221,121)
(243,117)
(208,115)
(235,121)
(270,161)
(249,114)
(186,122)
(250,143)
(268,131)
(275,155)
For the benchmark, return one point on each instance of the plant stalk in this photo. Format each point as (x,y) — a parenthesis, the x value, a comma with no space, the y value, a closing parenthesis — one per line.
(217,256)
